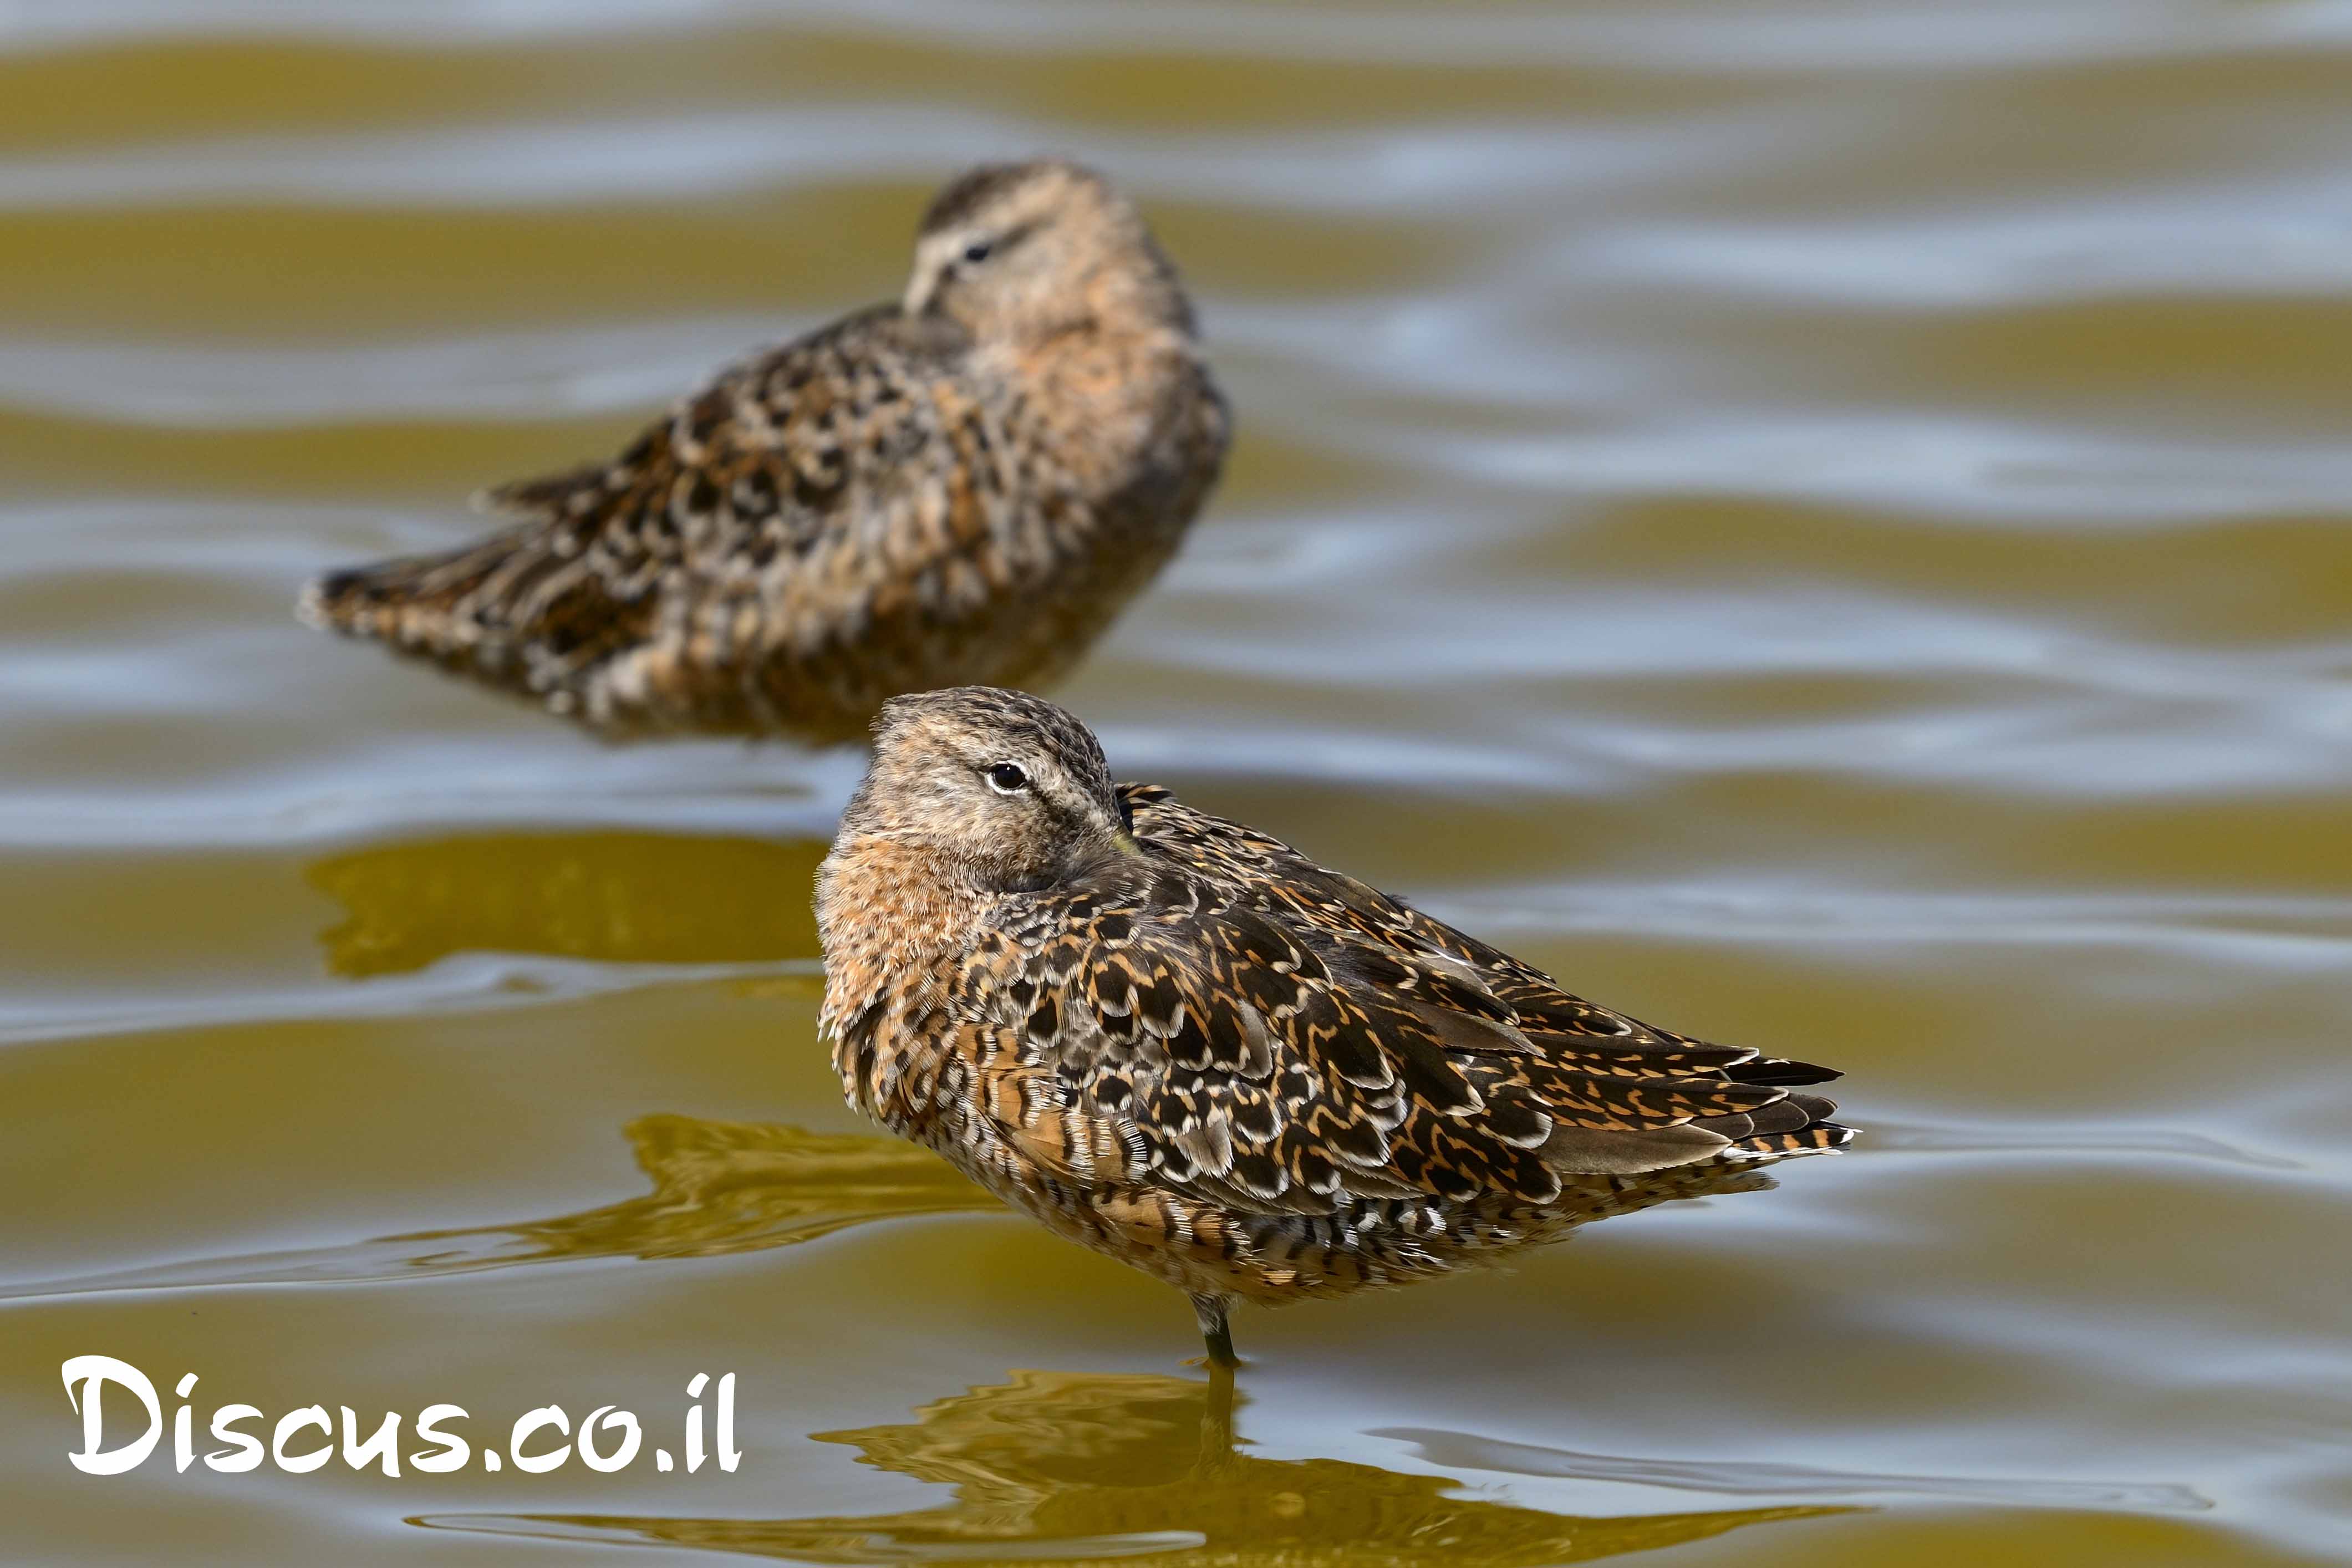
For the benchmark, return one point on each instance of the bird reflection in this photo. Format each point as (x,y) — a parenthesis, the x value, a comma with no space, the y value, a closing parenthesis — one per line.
(717,1187)
(740,1186)
(721,1188)
(1072,1468)
(613,896)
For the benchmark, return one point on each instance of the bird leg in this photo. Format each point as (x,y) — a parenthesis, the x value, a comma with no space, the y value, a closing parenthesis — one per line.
(1210,1311)
(1217,1423)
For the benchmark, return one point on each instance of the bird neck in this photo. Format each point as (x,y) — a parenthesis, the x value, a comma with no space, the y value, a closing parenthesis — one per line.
(1103,392)
(886,908)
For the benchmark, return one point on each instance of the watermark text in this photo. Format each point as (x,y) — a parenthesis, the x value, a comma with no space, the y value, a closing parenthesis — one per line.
(607,1438)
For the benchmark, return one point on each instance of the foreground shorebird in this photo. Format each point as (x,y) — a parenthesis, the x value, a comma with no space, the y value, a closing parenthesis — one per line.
(1178,1041)
(965,486)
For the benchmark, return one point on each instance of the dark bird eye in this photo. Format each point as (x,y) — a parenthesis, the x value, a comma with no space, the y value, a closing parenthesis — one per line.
(1006,779)
(979,251)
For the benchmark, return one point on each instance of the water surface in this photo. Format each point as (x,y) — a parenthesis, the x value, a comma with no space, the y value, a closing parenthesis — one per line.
(1821,523)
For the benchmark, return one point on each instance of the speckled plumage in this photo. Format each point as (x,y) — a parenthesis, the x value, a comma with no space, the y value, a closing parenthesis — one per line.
(1181,1043)
(966,486)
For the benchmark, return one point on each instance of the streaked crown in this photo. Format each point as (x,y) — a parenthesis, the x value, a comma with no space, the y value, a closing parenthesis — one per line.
(1023,251)
(1008,785)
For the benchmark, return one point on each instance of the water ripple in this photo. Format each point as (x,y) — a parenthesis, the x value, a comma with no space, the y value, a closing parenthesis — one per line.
(1822,522)
(2007,35)
(1462,1450)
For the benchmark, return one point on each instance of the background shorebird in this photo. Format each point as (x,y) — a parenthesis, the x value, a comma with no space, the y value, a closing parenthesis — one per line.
(966,486)
(1179,1042)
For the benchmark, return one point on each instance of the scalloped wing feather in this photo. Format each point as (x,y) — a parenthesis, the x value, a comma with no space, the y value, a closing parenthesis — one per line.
(1270,1061)
(1272,875)
(811,497)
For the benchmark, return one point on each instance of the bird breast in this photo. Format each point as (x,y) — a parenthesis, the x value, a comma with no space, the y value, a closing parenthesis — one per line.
(1112,404)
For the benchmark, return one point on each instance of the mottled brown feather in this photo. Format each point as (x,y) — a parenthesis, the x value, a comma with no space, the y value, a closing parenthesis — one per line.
(966,486)
(1175,1039)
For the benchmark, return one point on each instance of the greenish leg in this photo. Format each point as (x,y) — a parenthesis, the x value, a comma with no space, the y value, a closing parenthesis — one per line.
(1210,1310)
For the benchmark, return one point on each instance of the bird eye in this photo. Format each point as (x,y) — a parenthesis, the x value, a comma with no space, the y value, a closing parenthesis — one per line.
(1006,779)
(978,251)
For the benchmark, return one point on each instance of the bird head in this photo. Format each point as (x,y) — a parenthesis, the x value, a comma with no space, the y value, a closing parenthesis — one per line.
(1007,787)
(1018,253)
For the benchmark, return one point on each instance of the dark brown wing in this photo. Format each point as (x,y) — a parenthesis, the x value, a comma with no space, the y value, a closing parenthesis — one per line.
(804,499)
(1564,1029)
(1265,1062)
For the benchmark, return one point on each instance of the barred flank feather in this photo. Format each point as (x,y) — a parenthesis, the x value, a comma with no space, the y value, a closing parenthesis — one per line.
(969,487)
(1177,1040)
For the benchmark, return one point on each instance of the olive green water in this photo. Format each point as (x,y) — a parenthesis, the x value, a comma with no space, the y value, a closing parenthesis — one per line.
(1823,524)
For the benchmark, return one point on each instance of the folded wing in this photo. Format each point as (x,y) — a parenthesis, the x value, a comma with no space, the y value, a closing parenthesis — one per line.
(1275,1036)
(802,500)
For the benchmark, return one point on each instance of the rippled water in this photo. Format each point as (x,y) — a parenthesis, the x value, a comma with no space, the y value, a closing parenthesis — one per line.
(1823,524)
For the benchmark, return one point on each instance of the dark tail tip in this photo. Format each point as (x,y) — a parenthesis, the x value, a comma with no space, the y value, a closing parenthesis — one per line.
(333,602)
(1778,1071)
